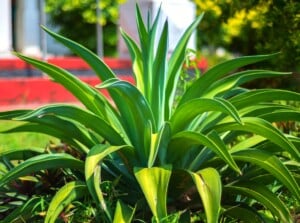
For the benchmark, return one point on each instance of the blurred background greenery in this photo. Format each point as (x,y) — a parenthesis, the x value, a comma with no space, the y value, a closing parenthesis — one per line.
(229,28)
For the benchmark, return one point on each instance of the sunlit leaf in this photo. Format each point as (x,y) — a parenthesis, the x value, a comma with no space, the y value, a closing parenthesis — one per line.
(71,191)
(154,183)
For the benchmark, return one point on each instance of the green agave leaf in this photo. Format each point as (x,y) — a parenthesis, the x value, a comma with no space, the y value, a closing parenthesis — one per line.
(136,115)
(42,162)
(237,79)
(271,164)
(247,143)
(123,213)
(20,153)
(49,130)
(264,196)
(82,91)
(71,129)
(282,115)
(175,65)
(100,68)
(200,86)
(182,142)
(265,129)
(141,28)
(161,142)
(71,191)
(159,67)
(243,213)
(86,118)
(209,186)
(22,213)
(136,58)
(184,114)
(154,184)
(8,115)
(93,173)
(146,51)
(256,96)
(264,108)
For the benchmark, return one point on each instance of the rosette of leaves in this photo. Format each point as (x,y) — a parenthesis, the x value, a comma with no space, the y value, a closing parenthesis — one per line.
(214,156)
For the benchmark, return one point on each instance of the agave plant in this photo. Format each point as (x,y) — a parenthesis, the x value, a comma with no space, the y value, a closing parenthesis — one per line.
(212,157)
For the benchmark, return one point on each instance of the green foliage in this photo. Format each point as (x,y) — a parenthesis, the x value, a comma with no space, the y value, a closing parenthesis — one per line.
(77,20)
(143,156)
(254,26)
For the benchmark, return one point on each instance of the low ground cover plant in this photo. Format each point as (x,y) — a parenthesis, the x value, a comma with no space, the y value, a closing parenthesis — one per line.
(215,155)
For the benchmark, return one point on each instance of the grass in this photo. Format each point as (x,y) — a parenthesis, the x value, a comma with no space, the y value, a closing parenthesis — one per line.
(19,140)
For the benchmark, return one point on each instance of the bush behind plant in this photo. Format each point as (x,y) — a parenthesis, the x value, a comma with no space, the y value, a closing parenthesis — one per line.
(138,156)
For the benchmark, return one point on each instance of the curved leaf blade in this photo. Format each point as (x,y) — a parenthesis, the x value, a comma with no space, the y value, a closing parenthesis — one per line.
(82,91)
(175,64)
(123,213)
(136,115)
(64,196)
(264,196)
(184,114)
(200,86)
(92,172)
(42,162)
(209,186)
(271,164)
(154,183)
(265,129)
(100,68)
(182,141)
(86,118)
(237,79)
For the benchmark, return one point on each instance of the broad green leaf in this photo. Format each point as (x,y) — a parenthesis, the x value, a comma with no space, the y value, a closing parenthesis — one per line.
(71,129)
(20,153)
(200,86)
(159,67)
(271,164)
(23,212)
(247,143)
(161,143)
(136,115)
(183,141)
(86,118)
(154,183)
(147,55)
(264,196)
(100,68)
(123,213)
(8,115)
(237,79)
(49,130)
(283,115)
(42,162)
(184,114)
(137,63)
(265,129)
(64,196)
(262,95)
(93,173)
(82,91)
(244,213)
(175,65)
(209,186)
